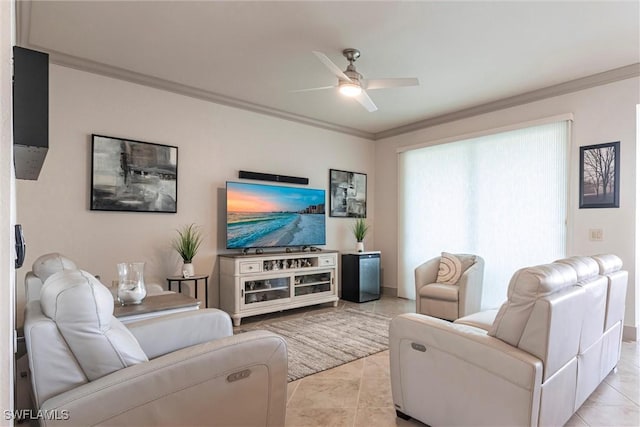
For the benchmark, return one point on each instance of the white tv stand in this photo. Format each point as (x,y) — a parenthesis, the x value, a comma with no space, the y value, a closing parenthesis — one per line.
(264,283)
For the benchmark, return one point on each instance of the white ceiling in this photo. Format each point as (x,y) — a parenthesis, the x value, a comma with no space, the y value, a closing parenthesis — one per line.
(469,56)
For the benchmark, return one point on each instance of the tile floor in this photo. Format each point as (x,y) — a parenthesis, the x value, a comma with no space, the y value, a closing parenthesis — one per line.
(359,393)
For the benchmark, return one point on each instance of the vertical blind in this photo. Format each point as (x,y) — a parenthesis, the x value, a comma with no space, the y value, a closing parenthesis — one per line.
(502,197)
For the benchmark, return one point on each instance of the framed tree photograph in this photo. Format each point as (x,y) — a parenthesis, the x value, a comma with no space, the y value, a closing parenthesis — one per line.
(134,176)
(348,194)
(600,175)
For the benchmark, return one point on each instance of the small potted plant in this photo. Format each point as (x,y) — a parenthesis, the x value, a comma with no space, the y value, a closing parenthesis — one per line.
(187,244)
(360,229)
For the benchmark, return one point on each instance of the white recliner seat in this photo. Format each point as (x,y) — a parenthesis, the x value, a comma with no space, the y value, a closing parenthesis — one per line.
(181,369)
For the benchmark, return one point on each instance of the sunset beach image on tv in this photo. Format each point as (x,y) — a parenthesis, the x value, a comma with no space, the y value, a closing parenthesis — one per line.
(260,216)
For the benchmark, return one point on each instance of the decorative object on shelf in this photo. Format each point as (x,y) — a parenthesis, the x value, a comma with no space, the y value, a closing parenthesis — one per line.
(348,196)
(131,288)
(360,229)
(187,244)
(128,175)
(600,175)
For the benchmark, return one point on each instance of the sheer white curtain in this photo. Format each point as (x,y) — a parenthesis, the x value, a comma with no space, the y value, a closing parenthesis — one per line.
(501,196)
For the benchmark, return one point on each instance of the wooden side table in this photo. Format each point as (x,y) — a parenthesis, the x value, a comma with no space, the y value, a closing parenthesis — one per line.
(195,279)
(154,306)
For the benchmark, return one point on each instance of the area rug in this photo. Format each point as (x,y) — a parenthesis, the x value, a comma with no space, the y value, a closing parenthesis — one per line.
(318,342)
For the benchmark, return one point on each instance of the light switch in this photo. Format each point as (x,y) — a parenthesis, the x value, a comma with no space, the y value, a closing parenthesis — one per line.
(596,235)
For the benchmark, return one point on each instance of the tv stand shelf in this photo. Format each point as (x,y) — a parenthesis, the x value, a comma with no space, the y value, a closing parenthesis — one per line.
(264,283)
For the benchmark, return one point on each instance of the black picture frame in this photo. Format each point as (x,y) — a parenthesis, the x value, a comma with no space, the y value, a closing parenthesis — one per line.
(133,176)
(347,194)
(600,175)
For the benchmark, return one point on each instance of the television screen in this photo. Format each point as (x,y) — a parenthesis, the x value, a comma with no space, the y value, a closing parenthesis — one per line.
(260,216)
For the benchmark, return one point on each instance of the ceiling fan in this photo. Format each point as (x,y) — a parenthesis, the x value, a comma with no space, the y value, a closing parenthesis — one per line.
(352,84)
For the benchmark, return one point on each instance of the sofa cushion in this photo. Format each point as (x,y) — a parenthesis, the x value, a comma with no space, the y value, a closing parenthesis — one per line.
(82,309)
(586,268)
(48,264)
(526,286)
(608,263)
(439,291)
(452,266)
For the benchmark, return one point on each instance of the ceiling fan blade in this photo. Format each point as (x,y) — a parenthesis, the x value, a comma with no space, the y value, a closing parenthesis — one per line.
(388,83)
(314,88)
(331,66)
(366,102)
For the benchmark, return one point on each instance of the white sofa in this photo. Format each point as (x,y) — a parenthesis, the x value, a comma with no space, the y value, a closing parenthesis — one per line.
(533,362)
(87,368)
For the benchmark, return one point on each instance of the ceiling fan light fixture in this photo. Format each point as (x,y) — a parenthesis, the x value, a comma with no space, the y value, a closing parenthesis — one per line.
(350,89)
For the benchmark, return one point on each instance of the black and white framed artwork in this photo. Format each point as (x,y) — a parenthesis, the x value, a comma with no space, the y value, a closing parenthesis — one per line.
(135,176)
(348,196)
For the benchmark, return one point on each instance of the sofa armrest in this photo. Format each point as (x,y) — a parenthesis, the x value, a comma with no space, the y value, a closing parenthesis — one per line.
(425,274)
(446,373)
(237,380)
(470,289)
(165,334)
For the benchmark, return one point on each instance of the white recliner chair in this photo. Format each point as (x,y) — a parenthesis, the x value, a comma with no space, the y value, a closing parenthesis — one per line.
(87,368)
(460,297)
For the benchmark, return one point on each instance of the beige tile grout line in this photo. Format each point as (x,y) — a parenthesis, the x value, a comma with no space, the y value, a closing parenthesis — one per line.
(355,413)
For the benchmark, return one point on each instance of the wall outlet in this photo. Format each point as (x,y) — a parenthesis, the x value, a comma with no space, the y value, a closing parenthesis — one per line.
(596,234)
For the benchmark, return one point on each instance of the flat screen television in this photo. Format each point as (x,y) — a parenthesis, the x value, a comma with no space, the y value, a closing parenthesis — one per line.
(264,216)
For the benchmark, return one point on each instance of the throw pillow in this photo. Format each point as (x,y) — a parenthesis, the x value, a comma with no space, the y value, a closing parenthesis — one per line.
(452,266)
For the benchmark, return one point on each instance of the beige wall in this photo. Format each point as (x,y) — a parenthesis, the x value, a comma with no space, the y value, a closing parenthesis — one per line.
(601,114)
(214,142)
(7,211)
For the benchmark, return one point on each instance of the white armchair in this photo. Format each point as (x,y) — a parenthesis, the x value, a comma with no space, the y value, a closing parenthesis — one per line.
(87,368)
(449,301)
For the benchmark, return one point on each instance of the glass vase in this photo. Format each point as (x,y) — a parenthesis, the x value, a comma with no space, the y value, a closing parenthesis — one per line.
(131,288)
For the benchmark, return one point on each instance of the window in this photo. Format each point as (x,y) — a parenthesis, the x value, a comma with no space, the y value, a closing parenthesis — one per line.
(502,197)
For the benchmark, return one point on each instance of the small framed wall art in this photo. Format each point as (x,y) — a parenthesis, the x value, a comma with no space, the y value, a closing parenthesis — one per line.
(348,194)
(600,175)
(133,176)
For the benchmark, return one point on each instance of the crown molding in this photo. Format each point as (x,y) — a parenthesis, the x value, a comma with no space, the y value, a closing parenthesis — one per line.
(594,80)
(70,61)
(23,18)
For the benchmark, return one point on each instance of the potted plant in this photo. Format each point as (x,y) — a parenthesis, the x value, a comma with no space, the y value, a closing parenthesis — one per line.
(187,244)
(360,229)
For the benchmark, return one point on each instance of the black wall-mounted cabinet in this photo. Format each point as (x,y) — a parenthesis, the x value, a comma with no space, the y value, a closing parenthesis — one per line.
(30,111)
(361,276)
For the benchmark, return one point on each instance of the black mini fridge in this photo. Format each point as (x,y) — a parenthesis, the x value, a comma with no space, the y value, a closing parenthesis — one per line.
(361,276)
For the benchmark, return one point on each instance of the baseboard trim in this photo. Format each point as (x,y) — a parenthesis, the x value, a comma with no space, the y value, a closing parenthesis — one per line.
(630,333)
(391,292)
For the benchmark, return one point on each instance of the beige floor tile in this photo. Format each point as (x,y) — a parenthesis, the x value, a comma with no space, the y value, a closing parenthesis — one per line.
(626,381)
(607,395)
(351,370)
(609,416)
(377,365)
(325,393)
(375,392)
(381,417)
(320,417)
(291,388)
(576,421)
